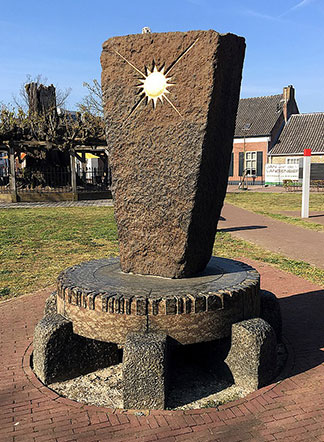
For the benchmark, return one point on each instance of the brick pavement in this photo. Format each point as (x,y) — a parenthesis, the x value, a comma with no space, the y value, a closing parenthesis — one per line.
(291,409)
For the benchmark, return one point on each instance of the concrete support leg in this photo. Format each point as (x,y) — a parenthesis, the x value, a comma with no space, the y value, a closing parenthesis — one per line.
(59,354)
(252,357)
(145,371)
(51,304)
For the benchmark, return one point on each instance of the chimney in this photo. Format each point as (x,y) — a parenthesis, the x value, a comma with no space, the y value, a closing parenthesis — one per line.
(288,98)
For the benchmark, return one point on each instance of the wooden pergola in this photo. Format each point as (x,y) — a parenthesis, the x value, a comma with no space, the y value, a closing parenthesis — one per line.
(98,147)
(42,103)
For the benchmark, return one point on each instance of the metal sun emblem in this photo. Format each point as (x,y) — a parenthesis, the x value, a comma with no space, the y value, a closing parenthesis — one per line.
(155,83)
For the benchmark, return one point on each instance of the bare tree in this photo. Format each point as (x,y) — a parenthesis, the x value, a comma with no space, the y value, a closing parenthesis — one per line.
(92,103)
(22,100)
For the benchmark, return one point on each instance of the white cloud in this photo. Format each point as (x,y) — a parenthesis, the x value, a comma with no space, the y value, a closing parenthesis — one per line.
(261,15)
(280,17)
(299,5)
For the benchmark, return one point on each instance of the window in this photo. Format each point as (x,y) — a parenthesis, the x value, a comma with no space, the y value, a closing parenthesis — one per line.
(292,160)
(251,163)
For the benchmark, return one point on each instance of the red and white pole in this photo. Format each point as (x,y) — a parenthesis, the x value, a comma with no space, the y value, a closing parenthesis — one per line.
(306,183)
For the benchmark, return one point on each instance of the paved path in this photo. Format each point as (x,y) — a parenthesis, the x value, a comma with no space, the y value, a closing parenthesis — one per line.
(289,410)
(87,203)
(293,241)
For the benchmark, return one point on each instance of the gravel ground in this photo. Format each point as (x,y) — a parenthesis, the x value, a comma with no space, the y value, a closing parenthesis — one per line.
(196,380)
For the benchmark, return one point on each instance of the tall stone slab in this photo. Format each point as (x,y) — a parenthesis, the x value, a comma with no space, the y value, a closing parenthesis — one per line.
(170,104)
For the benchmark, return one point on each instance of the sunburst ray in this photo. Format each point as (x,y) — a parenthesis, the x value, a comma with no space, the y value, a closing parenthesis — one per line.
(155,83)
(181,56)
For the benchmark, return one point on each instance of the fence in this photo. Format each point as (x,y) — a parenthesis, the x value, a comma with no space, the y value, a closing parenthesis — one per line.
(296,186)
(4,177)
(55,179)
(93,179)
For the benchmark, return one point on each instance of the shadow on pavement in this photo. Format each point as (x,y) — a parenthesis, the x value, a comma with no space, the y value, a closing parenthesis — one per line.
(234,229)
(198,370)
(303,326)
(316,216)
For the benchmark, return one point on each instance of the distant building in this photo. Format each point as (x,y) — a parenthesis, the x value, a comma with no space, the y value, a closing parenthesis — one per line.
(259,123)
(302,131)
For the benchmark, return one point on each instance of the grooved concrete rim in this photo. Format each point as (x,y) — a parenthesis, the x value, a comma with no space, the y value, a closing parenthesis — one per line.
(78,286)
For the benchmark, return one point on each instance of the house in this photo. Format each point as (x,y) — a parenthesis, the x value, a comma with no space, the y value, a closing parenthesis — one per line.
(259,123)
(302,131)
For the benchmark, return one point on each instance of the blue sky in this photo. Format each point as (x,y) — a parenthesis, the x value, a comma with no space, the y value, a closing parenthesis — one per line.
(62,40)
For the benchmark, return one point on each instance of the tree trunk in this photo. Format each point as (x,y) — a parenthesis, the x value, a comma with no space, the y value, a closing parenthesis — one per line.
(42,99)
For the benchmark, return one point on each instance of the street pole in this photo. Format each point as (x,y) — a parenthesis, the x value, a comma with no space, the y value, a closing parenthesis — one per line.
(12,177)
(73,176)
(306,183)
(244,164)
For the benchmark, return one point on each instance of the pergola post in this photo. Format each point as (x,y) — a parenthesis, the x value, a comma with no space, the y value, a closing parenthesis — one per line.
(84,167)
(73,176)
(12,178)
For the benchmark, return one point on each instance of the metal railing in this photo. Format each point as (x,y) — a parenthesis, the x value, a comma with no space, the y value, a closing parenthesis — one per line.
(55,179)
(93,179)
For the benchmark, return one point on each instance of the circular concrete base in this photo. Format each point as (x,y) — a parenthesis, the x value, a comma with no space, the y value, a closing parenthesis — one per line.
(198,379)
(106,304)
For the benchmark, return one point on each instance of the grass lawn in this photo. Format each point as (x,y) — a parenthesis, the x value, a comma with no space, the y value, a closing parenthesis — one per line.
(35,245)
(273,204)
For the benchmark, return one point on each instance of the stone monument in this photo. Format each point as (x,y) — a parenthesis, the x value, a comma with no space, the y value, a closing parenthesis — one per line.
(170,103)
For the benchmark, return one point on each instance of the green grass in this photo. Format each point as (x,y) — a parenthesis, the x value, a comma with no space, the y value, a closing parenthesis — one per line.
(234,248)
(36,245)
(273,204)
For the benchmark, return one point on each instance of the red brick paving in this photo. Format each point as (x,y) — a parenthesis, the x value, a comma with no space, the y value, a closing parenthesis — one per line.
(291,409)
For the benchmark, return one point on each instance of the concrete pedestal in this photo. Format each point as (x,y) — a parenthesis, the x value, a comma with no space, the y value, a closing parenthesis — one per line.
(145,370)
(98,307)
(253,355)
(59,354)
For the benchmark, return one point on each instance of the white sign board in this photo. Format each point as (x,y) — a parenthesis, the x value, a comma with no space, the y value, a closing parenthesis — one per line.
(276,173)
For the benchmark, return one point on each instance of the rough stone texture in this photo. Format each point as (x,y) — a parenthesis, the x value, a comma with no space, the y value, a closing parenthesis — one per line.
(252,357)
(145,371)
(270,312)
(169,170)
(51,304)
(105,304)
(60,354)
